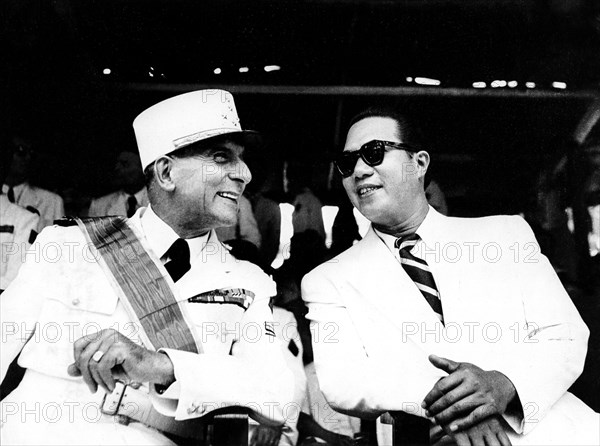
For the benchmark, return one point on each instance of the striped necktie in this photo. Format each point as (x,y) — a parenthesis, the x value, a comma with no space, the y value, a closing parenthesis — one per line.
(418,270)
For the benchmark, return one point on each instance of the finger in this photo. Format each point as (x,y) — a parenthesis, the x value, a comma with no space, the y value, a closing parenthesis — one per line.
(447,365)
(80,344)
(491,439)
(462,439)
(458,410)
(503,438)
(102,370)
(446,404)
(474,417)
(94,367)
(436,433)
(83,363)
(440,388)
(445,440)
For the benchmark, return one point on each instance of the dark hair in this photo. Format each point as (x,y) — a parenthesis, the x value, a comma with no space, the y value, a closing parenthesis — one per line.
(407,129)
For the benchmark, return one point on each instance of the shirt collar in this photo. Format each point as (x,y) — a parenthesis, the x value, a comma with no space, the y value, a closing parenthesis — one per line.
(161,236)
(16,188)
(427,230)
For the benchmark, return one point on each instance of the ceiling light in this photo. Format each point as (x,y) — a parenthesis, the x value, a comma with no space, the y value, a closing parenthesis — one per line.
(513,84)
(479,84)
(498,84)
(106,71)
(530,84)
(244,69)
(409,79)
(272,68)
(217,71)
(560,85)
(426,81)
(151,74)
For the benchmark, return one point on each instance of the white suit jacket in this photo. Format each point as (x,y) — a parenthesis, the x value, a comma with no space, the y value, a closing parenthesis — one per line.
(504,309)
(61,293)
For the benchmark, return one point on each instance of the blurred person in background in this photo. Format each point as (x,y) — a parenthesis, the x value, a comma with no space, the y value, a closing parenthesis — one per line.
(307,213)
(266,212)
(132,193)
(17,182)
(245,227)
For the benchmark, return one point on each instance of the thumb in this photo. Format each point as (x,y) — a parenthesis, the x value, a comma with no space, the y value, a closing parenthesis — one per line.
(444,364)
(73,370)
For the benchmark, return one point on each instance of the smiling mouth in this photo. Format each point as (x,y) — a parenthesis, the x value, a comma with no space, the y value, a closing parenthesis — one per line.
(366,190)
(229,196)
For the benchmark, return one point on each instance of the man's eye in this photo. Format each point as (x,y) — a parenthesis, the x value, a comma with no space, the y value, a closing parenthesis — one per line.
(221,157)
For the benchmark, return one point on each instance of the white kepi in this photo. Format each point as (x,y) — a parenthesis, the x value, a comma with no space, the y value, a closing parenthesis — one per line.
(185,119)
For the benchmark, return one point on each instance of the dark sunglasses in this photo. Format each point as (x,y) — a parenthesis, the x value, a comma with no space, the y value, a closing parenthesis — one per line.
(372,154)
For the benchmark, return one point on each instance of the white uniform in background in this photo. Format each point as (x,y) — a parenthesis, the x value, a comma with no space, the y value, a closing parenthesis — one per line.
(18,229)
(49,205)
(116,203)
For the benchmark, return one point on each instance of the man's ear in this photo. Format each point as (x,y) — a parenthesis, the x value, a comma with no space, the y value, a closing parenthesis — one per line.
(422,159)
(163,173)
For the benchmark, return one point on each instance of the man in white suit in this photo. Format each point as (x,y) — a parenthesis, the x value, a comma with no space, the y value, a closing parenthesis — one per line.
(152,311)
(461,321)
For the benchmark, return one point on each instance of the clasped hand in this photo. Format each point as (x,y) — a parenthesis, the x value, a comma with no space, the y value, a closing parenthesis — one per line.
(106,356)
(469,400)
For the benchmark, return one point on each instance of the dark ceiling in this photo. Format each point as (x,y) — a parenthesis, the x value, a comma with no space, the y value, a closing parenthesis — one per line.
(333,56)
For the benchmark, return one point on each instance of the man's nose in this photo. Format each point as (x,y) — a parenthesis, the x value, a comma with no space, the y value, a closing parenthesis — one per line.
(241,172)
(362,169)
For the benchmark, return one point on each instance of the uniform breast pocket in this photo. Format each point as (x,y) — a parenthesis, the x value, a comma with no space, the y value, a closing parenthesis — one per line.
(88,305)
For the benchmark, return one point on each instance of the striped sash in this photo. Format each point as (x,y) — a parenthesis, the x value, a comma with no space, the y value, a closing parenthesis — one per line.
(143,289)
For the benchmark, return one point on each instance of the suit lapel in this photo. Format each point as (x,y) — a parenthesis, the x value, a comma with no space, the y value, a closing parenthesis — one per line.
(386,286)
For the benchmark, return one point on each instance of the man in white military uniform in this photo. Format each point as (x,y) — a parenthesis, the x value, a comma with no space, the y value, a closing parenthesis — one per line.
(461,321)
(153,311)
(18,190)
(18,230)
(132,194)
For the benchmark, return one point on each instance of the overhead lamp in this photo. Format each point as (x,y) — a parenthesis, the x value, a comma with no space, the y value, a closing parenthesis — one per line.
(217,71)
(409,79)
(427,81)
(559,85)
(513,84)
(244,69)
(479,84)
(106,71)
(150,73)
(530,84)
(269,68)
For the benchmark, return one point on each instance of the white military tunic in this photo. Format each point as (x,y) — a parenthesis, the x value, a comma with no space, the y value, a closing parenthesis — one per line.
(64,294)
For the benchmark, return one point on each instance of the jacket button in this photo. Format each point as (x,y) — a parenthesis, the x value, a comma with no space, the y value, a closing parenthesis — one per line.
(75,301)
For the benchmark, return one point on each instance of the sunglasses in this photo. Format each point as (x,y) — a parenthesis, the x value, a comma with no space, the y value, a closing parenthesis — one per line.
(372,154)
